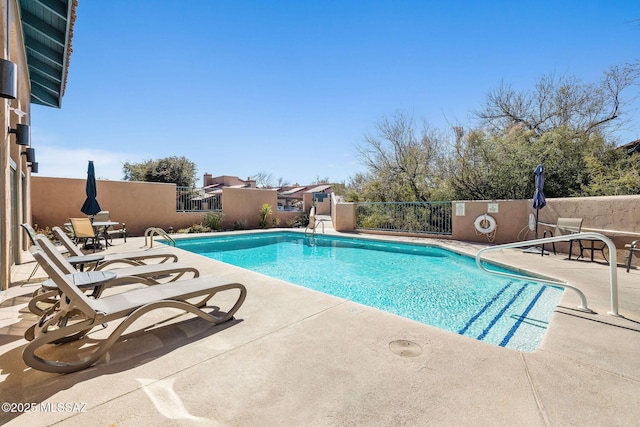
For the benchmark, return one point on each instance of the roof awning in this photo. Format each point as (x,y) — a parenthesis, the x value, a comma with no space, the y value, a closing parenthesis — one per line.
(47,27)
(318,189)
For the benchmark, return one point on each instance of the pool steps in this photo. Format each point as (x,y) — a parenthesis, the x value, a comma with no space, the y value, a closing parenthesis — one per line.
(613,274)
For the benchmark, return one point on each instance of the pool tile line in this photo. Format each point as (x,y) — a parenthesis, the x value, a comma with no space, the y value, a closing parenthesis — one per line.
(501,313)
(483,309)
(521,318)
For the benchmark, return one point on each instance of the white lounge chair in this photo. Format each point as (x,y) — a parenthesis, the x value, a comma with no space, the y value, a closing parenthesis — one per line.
(147,274)
(78,314)
(131,258)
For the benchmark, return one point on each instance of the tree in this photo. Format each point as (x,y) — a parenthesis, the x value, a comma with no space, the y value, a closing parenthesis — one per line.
(500,166)
(614,173)
(401,165)
(560,102)
(177,170)
(265,180)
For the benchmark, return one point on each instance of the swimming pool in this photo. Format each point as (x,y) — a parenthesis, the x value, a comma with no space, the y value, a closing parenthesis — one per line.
(427,284)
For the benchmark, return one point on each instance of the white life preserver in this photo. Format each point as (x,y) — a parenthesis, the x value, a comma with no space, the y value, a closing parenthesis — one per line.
(485,224)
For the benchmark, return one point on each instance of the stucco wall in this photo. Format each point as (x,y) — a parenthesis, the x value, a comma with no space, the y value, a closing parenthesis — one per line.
(343,216)
(322,208)
(144,204)
(243,204)
(599,213)
(137,204)
(511,217)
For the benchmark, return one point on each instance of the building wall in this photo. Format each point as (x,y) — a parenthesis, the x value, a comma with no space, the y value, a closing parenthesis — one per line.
(617,213)
(343,217)
(137,204)
(243,204)
(510,219)
(141,205)
(322,208)
(13,210)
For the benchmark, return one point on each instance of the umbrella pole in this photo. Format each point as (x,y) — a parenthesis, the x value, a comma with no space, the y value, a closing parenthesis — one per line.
(537,212)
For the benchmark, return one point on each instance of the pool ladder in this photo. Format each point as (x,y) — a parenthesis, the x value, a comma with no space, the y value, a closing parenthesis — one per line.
(152,231)
(312,232)
(613,274)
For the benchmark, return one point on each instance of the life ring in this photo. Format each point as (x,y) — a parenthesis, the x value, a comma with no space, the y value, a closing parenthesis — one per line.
(485,224)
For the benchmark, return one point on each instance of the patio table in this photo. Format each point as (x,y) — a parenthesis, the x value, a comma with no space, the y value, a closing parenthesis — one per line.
(85,280)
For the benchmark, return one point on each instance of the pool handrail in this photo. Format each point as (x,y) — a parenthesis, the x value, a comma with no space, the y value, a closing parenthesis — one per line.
(151,231)
(313,231)
(613,274)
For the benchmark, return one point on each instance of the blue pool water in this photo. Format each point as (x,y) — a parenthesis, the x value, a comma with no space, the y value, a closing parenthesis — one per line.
(427,284)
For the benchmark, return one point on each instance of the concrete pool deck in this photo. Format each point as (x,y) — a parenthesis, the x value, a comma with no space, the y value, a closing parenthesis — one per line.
(297,357)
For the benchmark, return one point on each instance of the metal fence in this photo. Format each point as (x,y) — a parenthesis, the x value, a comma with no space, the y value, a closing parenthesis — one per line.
(197,200)
(414,217)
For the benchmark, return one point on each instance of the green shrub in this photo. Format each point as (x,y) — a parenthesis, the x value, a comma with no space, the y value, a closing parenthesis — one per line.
(301,220)
(46,231)
(214,220)
(195,228)
(240,224)
(265,211)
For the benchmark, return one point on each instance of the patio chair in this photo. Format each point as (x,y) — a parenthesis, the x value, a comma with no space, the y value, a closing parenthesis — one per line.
(147,274)
(131,258)
(564,227)
(634,249)
(31,233)
(108,232)
(77,314)
(83,229)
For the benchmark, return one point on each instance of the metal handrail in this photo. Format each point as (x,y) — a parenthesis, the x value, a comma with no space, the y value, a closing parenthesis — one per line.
(151,231)
(313,232)
(613,274)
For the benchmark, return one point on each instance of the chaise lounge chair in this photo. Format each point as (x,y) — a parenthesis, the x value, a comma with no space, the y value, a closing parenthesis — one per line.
(31,233)
(146,274)
(78,314)
(131,258)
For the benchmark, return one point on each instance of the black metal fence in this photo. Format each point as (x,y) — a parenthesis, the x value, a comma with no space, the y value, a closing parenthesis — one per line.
(190,199)
(413,217)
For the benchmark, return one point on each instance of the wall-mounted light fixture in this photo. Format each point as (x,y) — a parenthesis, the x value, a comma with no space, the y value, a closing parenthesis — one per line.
(23,134)
(8,79)
(31,155)
(34,167)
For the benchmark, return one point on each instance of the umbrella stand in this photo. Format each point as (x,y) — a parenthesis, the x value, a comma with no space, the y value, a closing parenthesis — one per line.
(538,202)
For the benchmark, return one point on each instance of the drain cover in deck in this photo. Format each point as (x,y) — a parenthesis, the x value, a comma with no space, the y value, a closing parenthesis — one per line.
(405,348)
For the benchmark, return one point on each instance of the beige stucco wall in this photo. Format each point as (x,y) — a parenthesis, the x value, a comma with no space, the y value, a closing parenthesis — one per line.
(599,213)
(13,211)
(510,219)
(322,208)
(243,204)
(145,204)
(137,204)
(343,216)
(141,205)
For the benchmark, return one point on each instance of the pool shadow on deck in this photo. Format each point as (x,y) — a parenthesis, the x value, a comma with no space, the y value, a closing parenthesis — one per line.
(576,313)
(141,346)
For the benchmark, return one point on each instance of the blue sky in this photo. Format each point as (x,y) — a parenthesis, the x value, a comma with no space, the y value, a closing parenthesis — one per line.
(290,88)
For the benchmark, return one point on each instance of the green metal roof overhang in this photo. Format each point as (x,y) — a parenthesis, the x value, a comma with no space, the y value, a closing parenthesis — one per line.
(47,27)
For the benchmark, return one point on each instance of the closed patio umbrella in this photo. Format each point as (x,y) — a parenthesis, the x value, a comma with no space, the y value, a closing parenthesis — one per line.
(91,206)
(539,201)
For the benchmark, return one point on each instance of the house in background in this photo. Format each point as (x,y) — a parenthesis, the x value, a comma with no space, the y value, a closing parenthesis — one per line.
(36,36)
(302,197)
(630,147)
